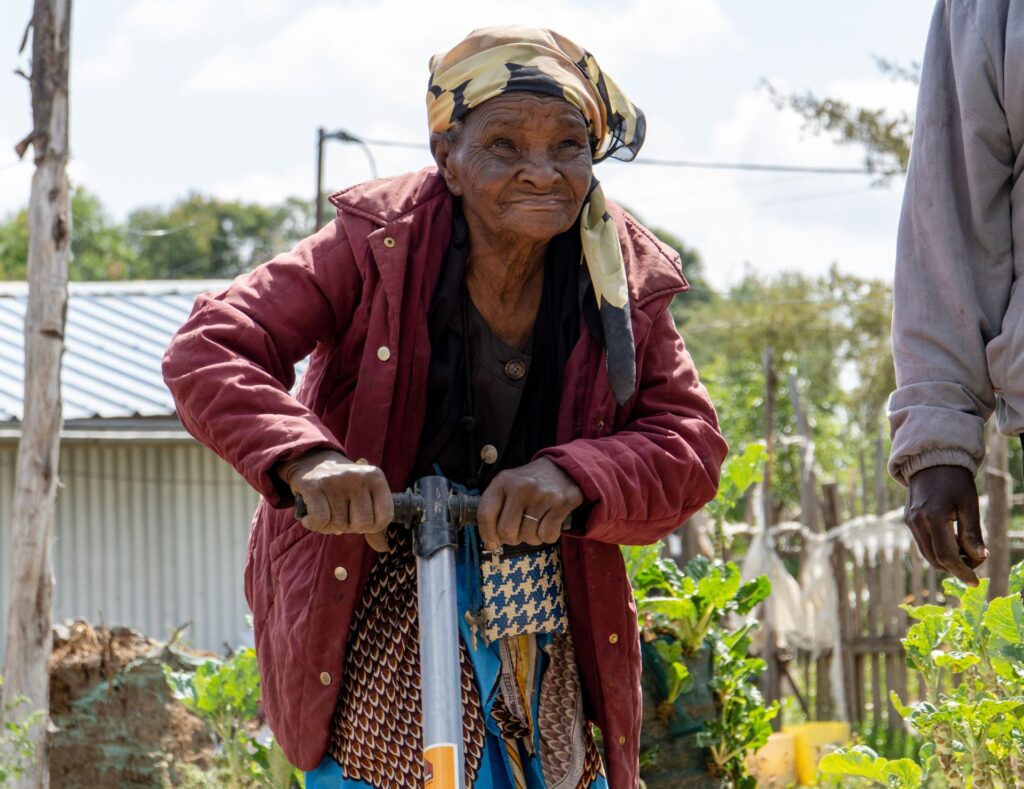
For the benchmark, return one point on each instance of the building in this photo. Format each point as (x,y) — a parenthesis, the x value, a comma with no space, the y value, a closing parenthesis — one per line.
(151,527)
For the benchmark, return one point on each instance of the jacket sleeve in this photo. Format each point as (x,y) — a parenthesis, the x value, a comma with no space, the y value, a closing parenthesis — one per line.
(954,266)
(643,481)
(231,366)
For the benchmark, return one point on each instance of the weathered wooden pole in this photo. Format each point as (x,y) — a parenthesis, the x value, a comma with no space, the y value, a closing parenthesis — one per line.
(808,481)
(997,523)
(29,620)
(771,678)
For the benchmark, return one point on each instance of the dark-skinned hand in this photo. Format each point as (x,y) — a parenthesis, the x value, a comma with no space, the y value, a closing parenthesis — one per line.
(341,496)
(939,497)
(540,490)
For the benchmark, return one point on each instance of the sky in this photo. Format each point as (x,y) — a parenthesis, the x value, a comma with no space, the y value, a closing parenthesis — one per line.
(176,96)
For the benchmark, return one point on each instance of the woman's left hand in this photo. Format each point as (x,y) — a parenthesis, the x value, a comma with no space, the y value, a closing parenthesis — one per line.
(528,504)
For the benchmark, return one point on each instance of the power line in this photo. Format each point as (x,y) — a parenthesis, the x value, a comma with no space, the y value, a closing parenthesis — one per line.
(687,163)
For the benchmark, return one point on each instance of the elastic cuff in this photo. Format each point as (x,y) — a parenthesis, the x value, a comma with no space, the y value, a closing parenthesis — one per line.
(934,457)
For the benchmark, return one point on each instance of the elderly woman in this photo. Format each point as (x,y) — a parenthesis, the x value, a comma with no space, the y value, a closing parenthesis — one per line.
(493,320)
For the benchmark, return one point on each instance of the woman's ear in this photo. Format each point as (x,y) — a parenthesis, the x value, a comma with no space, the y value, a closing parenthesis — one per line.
(441,149)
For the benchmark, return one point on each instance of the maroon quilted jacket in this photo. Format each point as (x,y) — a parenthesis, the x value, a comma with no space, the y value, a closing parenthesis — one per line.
(355,296)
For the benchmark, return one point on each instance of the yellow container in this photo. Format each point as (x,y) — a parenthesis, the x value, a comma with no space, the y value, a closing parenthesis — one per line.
(774,763)
(814,740)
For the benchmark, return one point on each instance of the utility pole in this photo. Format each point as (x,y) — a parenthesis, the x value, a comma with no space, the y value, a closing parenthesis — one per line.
(322,136)
(30,618)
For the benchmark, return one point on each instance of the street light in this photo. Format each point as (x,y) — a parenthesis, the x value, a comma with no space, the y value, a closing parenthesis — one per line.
(322,135)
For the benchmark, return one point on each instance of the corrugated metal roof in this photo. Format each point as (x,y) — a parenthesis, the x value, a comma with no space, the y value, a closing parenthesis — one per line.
(115,339)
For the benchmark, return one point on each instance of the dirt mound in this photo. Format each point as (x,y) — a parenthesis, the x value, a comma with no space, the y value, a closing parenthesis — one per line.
(118,724)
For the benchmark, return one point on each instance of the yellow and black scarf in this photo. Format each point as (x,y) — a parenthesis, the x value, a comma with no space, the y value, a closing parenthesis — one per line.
(493,61)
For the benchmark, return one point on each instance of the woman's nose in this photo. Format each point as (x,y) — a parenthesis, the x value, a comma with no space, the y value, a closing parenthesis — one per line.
(539,169)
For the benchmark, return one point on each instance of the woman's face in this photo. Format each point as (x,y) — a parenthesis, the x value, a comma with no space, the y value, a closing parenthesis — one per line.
(522,166)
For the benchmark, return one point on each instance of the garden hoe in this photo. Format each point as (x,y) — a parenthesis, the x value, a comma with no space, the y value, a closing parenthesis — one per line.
(436,513)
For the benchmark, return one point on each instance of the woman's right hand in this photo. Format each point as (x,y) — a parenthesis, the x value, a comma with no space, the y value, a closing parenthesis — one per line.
(341,496)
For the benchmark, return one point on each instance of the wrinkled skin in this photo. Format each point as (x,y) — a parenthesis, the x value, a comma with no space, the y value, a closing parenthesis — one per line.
(521,164)
(937,498)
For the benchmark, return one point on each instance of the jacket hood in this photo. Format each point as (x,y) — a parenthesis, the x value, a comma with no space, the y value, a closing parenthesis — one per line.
(652,268)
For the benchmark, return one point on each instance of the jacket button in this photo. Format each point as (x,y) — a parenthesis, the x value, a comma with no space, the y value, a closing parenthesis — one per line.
(600,424)
(515,369)
(362,462)
(325,678)
(340,573)
(622,740)
(383,353)
(389,242)
(613,638)
(489,454)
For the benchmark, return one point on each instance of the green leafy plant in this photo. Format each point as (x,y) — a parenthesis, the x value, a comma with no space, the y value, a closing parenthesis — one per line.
(15,745)
(862,762)
(971,659)
(226,695)
(738,474)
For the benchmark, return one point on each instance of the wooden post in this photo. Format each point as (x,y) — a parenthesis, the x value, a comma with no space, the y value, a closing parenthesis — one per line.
(808,483)
(997,523)
(845,695)
(881,473)
(29,621)
(771,675)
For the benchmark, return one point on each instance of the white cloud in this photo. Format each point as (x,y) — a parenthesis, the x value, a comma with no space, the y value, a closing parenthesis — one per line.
(349,39)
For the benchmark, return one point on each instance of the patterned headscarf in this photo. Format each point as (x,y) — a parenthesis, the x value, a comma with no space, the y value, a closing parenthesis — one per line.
(496,60)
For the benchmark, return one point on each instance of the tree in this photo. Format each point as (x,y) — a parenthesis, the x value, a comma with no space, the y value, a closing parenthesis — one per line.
(205,237)
(30,616)
(885,136)
(832,331)
(99,247)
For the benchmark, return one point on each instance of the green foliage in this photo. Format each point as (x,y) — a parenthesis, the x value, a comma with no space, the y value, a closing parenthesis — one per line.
(198,237)
(226,695)
(15,745)
(885,137)
(971,659)
(860,761)
(832,332)
(692,609)
(738,474)
(205,237)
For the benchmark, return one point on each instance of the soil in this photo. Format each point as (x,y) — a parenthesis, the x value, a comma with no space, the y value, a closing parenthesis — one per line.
(117,723)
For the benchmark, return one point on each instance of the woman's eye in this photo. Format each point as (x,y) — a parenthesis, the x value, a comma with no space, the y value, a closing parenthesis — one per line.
(572,143)
(503,144)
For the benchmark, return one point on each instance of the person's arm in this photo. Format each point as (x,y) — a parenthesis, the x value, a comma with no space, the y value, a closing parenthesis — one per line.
(643,481)
(231,365)
(954,264)
(954,273)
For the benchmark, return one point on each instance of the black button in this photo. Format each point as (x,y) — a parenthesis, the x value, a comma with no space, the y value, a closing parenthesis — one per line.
(515,369)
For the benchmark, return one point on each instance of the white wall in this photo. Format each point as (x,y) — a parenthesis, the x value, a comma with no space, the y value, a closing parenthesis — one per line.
(149,535)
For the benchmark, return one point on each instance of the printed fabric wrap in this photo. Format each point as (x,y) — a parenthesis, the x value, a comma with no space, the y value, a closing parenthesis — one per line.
(493,61)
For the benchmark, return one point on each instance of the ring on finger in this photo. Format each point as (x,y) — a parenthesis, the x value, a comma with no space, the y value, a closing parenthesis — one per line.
(531,518)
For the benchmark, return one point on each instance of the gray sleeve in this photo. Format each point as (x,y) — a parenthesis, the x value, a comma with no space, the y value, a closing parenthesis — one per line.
(954,266)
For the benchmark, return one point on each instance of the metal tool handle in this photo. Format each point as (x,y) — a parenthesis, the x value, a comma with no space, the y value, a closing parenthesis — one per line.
(409,507)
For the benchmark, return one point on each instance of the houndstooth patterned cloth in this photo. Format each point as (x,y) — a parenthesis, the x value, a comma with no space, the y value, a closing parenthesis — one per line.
(376,733)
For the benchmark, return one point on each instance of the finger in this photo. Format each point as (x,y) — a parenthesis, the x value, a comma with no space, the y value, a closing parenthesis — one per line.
(968,527)
(947,551)
(487,516)
(529,529)
(550,528)
(921,528)
(360,511)
(510,521)
(318,511)
(383,503)
(378,540)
